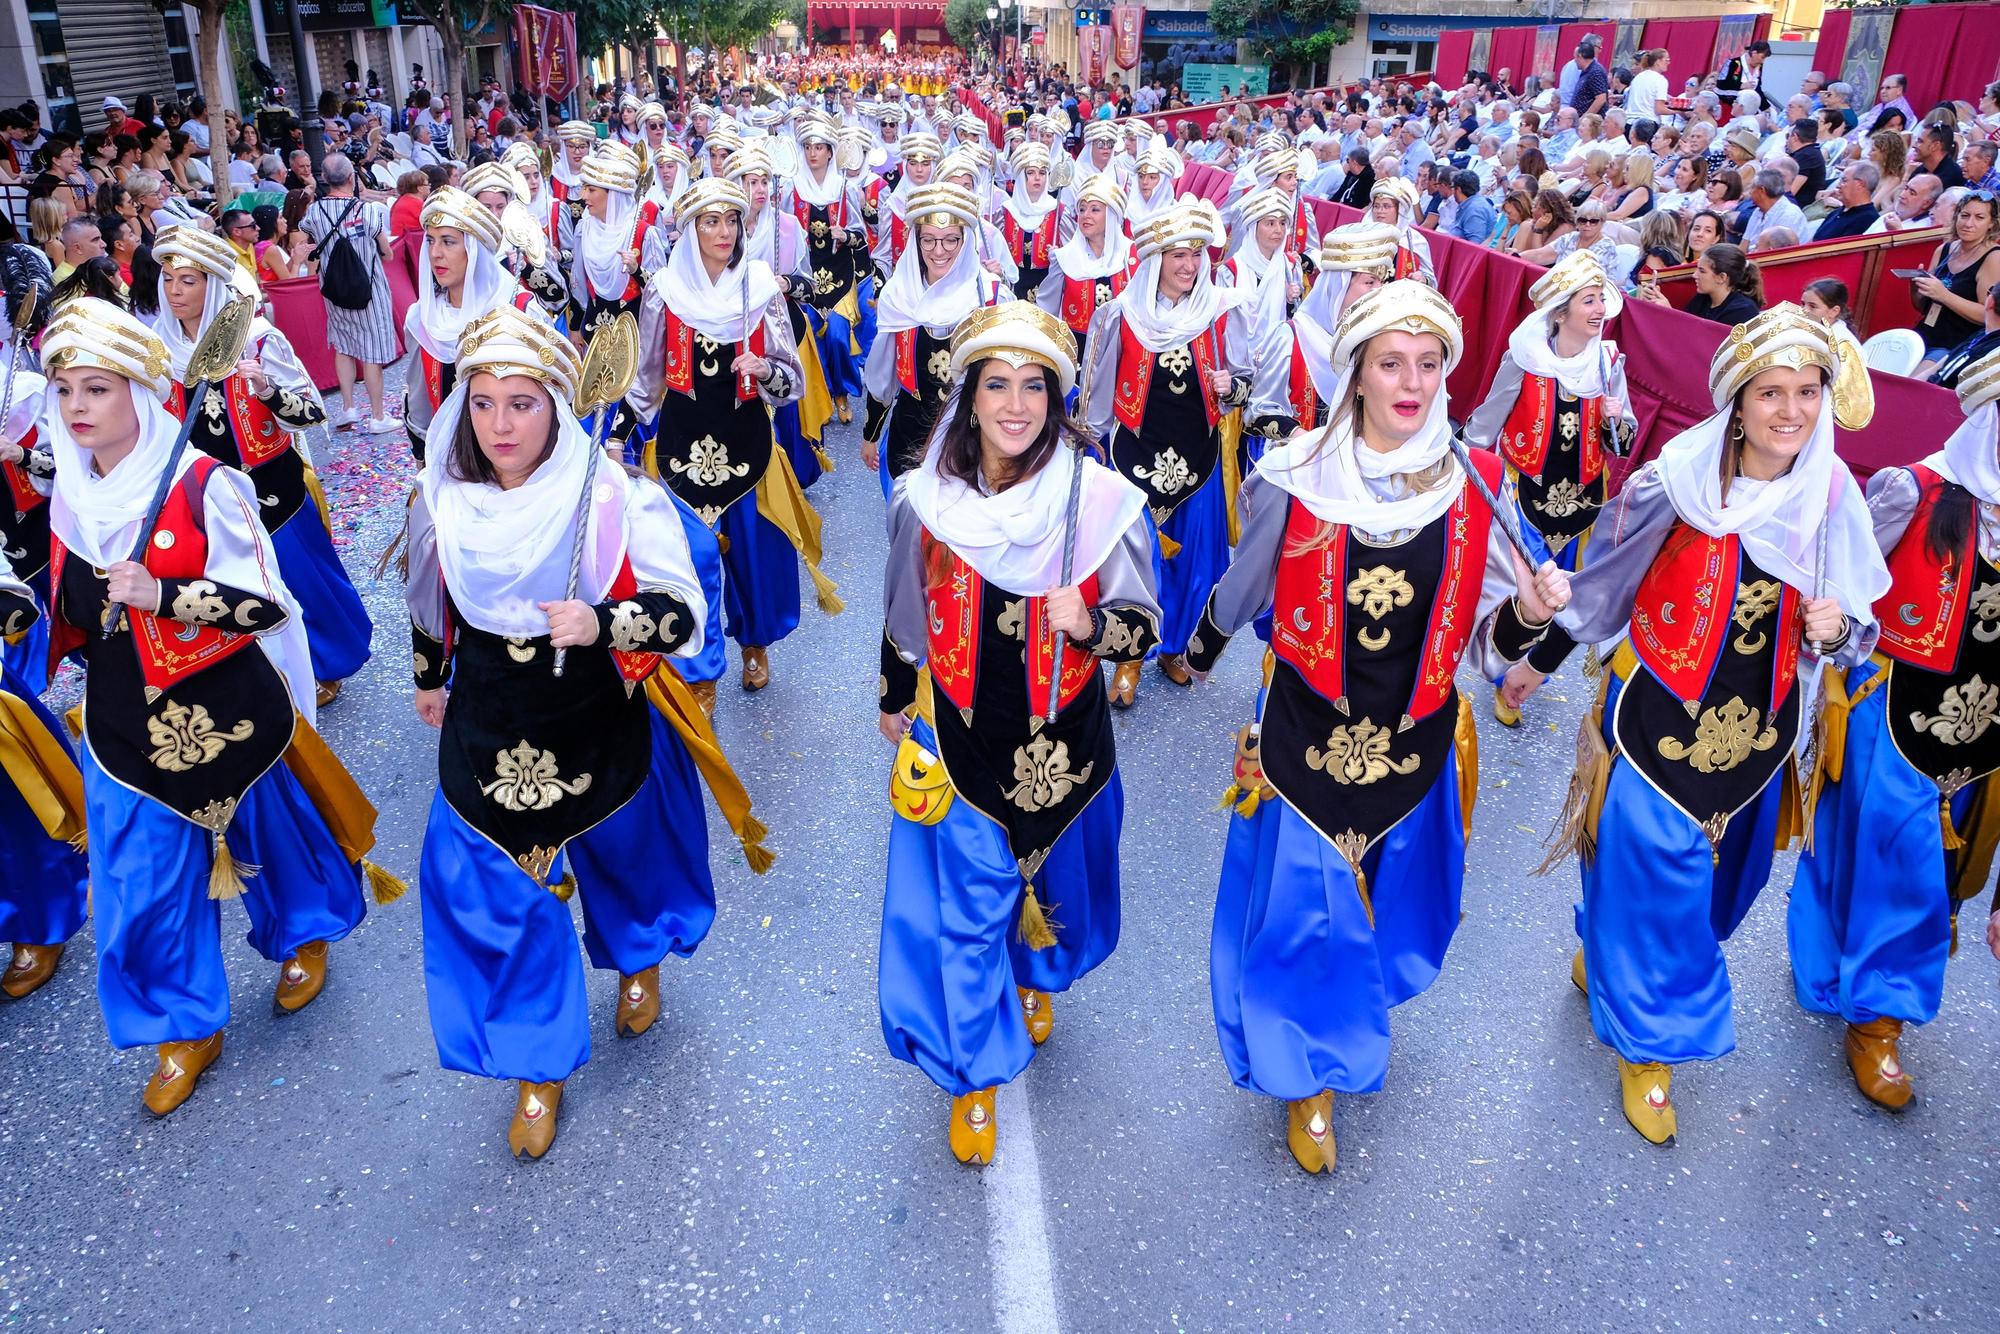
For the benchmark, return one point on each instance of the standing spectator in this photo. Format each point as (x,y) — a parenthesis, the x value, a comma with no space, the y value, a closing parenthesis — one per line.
(1649,89)
(367,337)
(1745,73)
(1475,221)
(1592,91)
(1857,211)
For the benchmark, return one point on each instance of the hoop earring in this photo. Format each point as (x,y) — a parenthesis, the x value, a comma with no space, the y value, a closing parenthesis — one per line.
(973,421)
(1736,433)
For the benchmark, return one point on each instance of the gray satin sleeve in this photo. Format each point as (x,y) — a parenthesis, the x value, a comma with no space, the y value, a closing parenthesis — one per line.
(1482,428)
(1245,589)
(905,606)
(423,586)
(788,384)
(1892,502)
(1623,545)
(1125,580)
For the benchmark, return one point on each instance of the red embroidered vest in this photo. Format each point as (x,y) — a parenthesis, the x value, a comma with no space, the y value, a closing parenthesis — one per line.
(1299,238)
(1311,591)
(1300,392)
(260,436)
(1524,440)
(1406,263)
(1079,297)
(1682,614)
(178,549)
(1923,613)
(678,350)
(1030,249)
(955,627)
(1135,374)
(20,487)
(433,369)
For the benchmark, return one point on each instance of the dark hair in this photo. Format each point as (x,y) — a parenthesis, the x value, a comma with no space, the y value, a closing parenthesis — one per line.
(145,297)
(959,455)
(1830,291)
(1465,183)
(1665,256)
(1882,121)
(110,226)
(1953,513)
(1730,181)
(1807,129)
(468,462)
(266,216)
(439,173)
(1760,46)
(1738,268)
(232,217)
(1721,226)
(1556,204)
(94,277)
(1532,165)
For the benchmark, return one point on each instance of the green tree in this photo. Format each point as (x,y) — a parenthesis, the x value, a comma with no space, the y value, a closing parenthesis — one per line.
(453,19)
(1296,32)
(965,22)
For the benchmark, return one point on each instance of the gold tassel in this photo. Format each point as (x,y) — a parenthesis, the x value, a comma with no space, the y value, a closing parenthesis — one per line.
(751,837)
(1361,888)
(1230,796)
(382,886)
(1168,547)
(825,459)
(1036,929)
(827,592)
(1575,829)
(1593,663)
(81,843)
(1792,822)
(649,458)
(565,888)
(226,875)
(1952,842)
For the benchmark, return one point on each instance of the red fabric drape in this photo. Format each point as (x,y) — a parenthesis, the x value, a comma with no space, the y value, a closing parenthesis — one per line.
(1919,46)
(1572,33)
(1454,55)
(1206,182)
(1975,56)
(1514,50)
(1688,44)
(1831,50)
(300,315)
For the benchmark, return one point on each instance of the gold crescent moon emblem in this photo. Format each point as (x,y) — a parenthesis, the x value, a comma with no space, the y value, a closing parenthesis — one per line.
(711,367)
(1299,621)
(1666,613)
(1907,614)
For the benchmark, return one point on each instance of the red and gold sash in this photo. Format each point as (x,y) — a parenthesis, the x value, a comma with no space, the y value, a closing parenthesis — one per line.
(1524,440)
(1923,613)
(955,627)
(678,350)
(1682,614)
(260,436)
(20,486)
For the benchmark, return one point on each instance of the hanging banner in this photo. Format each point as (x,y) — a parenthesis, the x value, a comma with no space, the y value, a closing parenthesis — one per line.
(1086,56)
(1127,22)
(1481,55)
(1732,34)
(545,50)
(1625,51)
(1547,38)
(1867,48)
(1010,49)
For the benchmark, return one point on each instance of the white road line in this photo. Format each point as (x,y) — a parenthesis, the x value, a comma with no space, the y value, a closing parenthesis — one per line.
(1024,1278)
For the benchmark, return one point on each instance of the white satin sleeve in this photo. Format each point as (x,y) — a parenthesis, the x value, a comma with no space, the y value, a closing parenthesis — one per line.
(240,557)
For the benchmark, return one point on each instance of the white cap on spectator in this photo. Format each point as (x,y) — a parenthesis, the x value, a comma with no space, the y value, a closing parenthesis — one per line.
(110,102)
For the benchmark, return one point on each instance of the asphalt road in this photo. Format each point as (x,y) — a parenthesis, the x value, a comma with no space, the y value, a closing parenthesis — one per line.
(759,1161)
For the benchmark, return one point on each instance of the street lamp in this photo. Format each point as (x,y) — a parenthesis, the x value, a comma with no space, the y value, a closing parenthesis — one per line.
(993,25)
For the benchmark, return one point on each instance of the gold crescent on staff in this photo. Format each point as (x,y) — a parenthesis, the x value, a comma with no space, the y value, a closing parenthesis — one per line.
(524,233)
(221,345)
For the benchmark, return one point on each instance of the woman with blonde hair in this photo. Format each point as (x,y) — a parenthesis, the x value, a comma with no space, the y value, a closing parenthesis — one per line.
(1891,152)
(1632,184)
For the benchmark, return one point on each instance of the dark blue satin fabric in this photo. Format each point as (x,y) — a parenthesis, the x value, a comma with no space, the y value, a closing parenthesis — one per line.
(1301,984)
(159,936)
(951,955)
(1657,905)
(706,554)
(501,974)
(338,630)
(760,587)
(836,358)
(1202,529)
(25,659)
(1870,916)
(42,881)
(791,438)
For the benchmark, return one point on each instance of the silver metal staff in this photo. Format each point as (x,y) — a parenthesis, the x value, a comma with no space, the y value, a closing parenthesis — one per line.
(1069,560)
(1510,523)
(24,319)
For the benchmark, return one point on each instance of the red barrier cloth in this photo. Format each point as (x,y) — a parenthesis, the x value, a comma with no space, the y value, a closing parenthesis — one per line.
(1894,307)
(1514,51)
(300,315)
(1975,56)
(1688,44)
(1206,182)
(1454,56)
(1919,46)
(1831,50)
(403,278)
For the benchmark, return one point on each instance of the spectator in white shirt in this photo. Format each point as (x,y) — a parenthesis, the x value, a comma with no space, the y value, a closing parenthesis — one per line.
(1773,208)
(1647,94)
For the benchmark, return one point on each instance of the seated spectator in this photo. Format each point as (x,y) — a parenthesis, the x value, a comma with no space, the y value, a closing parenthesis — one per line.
(1936,150)
(1552,217)
(1774,238)
(46,217)
(1646,273)
(1771,207)
(1690,190)
(1802,147)
(1631,188)
(1515,210)
(121,242)
(1589,235)
(1914,204)
(1729,289)
(1474,221)
(1741,147)
(1892,110)
(1965,265)
(1839,97)
(1355,186)
(1856,195)
(1707,228)
(1663,231)
(83,240)
(1944,368)
(1826,300)
(1978,163)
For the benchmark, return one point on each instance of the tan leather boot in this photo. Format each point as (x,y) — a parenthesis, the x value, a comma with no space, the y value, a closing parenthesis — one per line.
(756,668)
(1124,685)
(181,1065)
(1576,973)
(1309,1132)
(534,1128)
(974,1136)
(1877,1062)
(302,978)
(638,1002)
(32,966)
(1647,1090)
(1035,1008)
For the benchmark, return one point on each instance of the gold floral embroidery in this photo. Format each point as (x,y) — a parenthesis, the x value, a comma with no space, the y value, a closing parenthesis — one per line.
(708,347)
(822,278)
(198,604)
(1963,715)
(529,780)
(1753,604)
(420,665)
(1014,618)
(1986,606)
(1564,499)
(215,407)
(1724,737)
(820,233)
(1379,589)
(1359,754)
(1119,637)
(16,622)
(1176,362)
(1042,776)
(940,365)
(184,737)
(1169,474)
(708,463)
(631,627)
(1568,427)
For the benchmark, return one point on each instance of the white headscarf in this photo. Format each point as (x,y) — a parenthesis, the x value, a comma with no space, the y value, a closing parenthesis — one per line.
(1970,458)
(1581,376)
(715,307)
(504,551)
(1160,327)
(1030,213)
(1312,325)
(1779,520)
(601,244)
(1015,538)
(180,347)
(820,192)
(908,302)
(437,324)
(1076,259)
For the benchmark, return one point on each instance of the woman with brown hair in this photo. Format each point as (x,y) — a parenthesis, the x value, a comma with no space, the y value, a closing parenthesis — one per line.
(1891,152)
(1962,269)
(1552,217)
(1008,538)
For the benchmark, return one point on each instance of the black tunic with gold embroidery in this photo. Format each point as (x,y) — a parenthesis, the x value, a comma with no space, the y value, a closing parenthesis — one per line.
(276,468)
(24,512)
(712,449)
(1176,449)
(913,415)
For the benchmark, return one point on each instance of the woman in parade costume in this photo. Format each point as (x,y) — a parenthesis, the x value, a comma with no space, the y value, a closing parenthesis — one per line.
(1547,414)
(710,384)
(1005,819)
(1094,264)
(1342,876)
(618,242)
(1094,159)
(1394,201)
(828,206)
(29,470)
(1156,175)
(248,420)
(1032,221)
(1684,777)
(546,207)
(937,282)
(202,776)
(549,784)
(566,182)
(524,251)
(1294,375)
(1265,218)
(462,280)
(1276,169)
(1905,822)
(775,238)
(963,169)
(1169,360)
(921,155)
(669,171)
(43,878)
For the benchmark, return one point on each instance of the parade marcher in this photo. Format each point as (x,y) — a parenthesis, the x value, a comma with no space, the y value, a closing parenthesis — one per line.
(249,420)
(1394,201)
(920,154)
(1094,264)
(1003,882)
(1382,567)
(524,251)
(203,778)
(549,784)
(546,207)
(43,878)
(1276,169)
(1685,765)
(1294,374)
(577,139)
(1905,821)
(29,470)
(828,206)
(1169,360)
(1156,175)
(1100,146)
(461,280)
(669,172)
(1558,393)
(1032,221)
(725,354)
(965,169)
(619,243)
(936,284)
(1264,217)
